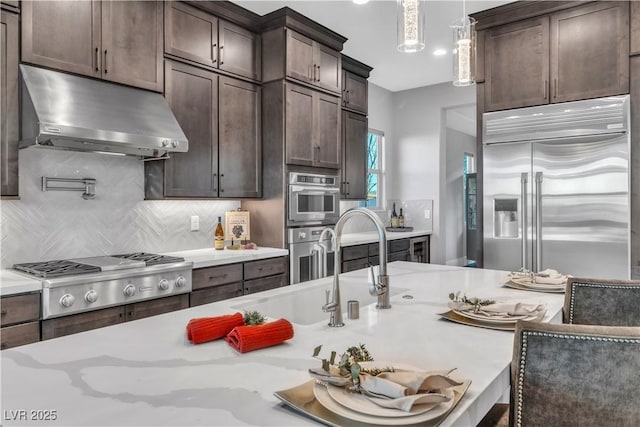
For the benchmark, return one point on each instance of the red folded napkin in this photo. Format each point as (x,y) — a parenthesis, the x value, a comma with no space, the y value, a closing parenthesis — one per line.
(252,337)
(205,329)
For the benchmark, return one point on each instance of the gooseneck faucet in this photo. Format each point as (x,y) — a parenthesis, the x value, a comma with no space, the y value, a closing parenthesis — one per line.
(379,287)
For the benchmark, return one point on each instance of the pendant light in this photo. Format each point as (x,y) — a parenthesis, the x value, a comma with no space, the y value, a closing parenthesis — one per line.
(411,21)
(464,50)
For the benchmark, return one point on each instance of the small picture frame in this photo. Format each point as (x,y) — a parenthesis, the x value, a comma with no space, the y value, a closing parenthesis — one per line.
(237,226)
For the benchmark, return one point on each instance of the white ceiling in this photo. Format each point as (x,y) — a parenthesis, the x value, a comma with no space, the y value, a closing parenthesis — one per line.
(371,30)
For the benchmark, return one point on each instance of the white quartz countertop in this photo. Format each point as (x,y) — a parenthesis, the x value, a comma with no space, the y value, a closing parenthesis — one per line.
(13,283)
(146,372)
(208,257)
(351,239)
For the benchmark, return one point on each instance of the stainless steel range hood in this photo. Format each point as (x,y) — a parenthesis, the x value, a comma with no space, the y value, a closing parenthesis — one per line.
(81,114)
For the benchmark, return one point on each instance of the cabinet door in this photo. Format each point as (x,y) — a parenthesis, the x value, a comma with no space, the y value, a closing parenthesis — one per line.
(60,326)
(354,162)
(300,50)
(25,333)
(240,51)
(192,94)
(264,284)
(64,35)
(9,134)
(263,268)
(215,293)
(132,46)
(517,64)
(20,308)
(299,125)
(590,51)
(327,131)
(153,307)
(355,94)
(240,146)
(191,34)
(328,72)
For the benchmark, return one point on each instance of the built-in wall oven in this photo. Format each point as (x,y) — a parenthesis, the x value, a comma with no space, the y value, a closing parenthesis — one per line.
(312,199)
(306,255)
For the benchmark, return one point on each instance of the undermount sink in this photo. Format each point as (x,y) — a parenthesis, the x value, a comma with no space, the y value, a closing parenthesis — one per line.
(303,305)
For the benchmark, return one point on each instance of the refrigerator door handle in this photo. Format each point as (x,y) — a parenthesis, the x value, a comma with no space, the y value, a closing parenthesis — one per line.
(524,179)
(538,222)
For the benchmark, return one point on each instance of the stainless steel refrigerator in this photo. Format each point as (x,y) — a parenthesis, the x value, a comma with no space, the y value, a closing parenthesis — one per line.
(556,188)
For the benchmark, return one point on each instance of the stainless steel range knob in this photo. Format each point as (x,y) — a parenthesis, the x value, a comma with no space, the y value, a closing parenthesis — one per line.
(163,285)
(67,300)
(180,282)
(91,296)
(129,290)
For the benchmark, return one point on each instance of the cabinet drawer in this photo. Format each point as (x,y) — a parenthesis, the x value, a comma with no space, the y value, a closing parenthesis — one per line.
(26,333)
(264,284)
(143,309)
(215,293)
(263,268)
(398,245)
(214,276)
(19,308)
(398,256)
(355,252)
(58,327)
(374,249)
(355,264)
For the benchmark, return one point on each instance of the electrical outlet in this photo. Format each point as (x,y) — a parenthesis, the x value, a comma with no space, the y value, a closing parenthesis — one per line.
(195,223)
(427,214)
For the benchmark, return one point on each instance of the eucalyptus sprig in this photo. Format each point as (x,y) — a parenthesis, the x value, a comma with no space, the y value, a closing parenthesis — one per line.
(475,302)
(253,318)
(349,364)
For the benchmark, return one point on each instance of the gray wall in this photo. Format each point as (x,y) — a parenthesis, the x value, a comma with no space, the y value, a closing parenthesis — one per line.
(61,225)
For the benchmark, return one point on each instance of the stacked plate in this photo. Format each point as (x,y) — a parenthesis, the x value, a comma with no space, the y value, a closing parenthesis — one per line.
(494,319)
(358,407)
(544,281)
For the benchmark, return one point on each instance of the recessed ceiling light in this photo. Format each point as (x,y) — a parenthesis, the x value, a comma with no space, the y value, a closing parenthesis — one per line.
(360,1)
(440,52)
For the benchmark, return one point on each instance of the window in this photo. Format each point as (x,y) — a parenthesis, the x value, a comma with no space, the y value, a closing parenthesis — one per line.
(375,173)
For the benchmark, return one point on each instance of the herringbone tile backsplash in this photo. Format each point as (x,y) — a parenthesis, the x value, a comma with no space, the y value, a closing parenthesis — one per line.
(60,224)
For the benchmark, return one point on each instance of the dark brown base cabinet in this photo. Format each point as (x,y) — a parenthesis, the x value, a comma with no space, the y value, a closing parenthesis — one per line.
(576,53)
(75,323)
(221,118)
(213,284)
(10,133)
(119,41)
(19,320)
(361,256)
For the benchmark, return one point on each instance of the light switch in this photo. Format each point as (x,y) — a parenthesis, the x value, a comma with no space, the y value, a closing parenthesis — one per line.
(195,223)
(427,214)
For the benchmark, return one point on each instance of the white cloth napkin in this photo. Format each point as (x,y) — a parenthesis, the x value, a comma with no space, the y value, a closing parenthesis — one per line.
(544,277)
(500,309)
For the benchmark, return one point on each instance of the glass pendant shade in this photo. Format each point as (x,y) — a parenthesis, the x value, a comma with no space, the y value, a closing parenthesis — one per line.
(411,22)
(464,52)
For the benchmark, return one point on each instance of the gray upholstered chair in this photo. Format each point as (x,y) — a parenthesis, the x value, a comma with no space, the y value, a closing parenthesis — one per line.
(575,375)
(602,302)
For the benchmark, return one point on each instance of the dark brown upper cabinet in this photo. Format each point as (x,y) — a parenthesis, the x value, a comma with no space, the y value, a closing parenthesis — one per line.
(576,53)
(120,41)
(198,36)
(312,127)
(354,161)
(9,133)
(313,63)
(355,92)
(221,118)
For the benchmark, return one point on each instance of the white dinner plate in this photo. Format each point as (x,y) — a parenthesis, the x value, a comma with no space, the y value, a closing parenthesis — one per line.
(496,319)
(322,395)
(527,283)
(359,403)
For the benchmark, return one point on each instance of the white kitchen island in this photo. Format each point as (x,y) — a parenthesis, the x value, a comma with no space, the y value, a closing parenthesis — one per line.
(146,372)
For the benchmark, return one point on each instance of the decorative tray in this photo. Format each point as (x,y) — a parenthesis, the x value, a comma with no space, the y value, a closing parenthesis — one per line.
(303,400)
(399,229)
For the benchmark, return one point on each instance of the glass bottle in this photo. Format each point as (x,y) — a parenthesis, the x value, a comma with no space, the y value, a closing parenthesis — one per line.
(394,217)
(401,219)
(218,241)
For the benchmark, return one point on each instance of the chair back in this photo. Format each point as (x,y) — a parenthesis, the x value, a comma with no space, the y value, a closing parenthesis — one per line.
(575,375)
(602,302)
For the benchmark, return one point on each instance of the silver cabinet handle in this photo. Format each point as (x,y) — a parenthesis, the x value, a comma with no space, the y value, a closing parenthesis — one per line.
(221,54)
(524,179)
(538,219)
(214,182)
(555,88)
(545,87)
(105,61)
(318,73)
(96,58)
(214,52)
(221,189)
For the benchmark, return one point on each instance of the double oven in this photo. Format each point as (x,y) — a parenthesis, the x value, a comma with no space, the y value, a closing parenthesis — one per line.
(313,203)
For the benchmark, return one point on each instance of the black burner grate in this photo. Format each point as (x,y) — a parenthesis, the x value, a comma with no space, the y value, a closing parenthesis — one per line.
(56,268)
(150,259)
